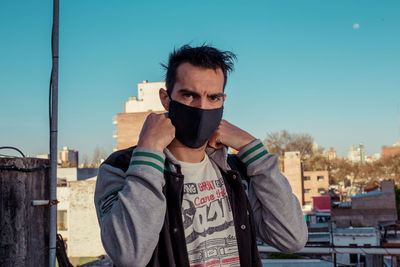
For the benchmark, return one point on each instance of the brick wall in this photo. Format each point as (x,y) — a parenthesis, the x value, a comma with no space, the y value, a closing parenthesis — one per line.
(388,151)
(129,126)
(318,184)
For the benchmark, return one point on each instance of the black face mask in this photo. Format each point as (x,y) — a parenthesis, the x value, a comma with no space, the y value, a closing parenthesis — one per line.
(194,126)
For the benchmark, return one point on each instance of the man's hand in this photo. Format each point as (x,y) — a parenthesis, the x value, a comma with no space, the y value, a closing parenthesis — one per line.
(157,132)
(230,135)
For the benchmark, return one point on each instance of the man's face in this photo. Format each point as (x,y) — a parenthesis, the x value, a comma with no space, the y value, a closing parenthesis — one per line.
(199,87)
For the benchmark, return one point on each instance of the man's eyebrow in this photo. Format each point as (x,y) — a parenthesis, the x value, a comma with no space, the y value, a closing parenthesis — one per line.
(216,95)
(187,91)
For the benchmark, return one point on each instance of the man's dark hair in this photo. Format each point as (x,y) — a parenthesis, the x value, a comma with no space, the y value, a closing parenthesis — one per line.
(204,56)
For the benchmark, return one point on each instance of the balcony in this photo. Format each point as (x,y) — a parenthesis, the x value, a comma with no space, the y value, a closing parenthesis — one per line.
(114,119)
(115,134)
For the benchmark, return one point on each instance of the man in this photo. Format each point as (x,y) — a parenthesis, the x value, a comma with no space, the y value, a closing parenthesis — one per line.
(174,201)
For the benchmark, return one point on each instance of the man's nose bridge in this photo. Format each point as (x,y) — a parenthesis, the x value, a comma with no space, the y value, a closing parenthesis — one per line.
(202,102)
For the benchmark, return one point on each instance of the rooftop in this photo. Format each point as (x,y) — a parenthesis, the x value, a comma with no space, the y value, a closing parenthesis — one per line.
(368,194)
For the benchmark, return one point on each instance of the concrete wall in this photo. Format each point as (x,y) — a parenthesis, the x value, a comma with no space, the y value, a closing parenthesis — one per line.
(387,186)
(84,232)
(292,171)
(369,209)
(69,174)
(86,173)
(384,200)
(362,217)
(23,227)
(63,198)
(74,174)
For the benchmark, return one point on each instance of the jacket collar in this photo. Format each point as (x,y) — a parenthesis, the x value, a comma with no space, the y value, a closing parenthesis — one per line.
(218,156)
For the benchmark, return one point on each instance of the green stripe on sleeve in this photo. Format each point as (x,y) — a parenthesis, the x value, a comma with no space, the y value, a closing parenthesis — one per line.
(148,163)
(248,152)
(256,157)
(150,155)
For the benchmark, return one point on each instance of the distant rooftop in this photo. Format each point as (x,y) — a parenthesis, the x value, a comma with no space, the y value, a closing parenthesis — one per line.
(359,230)
(296,262)
(368,194)
(345,204)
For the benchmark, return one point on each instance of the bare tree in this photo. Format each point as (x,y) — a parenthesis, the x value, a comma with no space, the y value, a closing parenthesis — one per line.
(99,155)
(85,161)
(96,157)
(281,142)
(357,174)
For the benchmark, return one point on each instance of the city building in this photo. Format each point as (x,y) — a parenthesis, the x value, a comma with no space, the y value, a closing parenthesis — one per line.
(356,154)
(136,109)
(373,158)
(315,148)
(357,237)
(307,184)
(368,209)
(68,157)
(316,183)
(391,151)
(332,155)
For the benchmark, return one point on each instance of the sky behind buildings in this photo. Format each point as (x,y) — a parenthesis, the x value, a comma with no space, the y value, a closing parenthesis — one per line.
(326,68)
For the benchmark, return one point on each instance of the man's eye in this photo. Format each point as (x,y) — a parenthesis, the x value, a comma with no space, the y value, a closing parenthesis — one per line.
(215,98)
(187,95)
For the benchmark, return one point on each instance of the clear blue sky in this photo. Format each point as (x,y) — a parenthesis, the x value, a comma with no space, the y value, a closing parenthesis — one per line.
(302,66)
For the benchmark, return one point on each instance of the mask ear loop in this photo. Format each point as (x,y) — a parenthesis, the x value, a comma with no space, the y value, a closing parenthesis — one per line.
(169,101)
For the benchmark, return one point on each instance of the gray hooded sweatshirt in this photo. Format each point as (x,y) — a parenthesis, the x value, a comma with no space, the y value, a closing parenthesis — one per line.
(131,206)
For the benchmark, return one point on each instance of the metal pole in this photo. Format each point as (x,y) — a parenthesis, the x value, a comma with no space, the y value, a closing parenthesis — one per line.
(334,259)
(53,135)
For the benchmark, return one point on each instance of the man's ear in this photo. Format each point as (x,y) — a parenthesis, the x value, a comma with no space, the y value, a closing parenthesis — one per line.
(164,98)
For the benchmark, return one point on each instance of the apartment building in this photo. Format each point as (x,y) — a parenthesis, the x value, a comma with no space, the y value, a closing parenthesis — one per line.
(305,184)
(136,109)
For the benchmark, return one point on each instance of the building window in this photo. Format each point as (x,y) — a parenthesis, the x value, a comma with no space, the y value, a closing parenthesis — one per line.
(307,178)
(306,191)
(353,258)
(321,191)
(320,178)
(62,220)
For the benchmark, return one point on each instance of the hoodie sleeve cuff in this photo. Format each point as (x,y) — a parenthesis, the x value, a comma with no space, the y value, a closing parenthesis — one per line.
(148,157)
(252,152)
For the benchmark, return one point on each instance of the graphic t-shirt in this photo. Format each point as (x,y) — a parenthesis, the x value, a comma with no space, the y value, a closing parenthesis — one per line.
(207,217)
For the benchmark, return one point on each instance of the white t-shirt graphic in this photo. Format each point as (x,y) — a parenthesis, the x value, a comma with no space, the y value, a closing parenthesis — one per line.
(207,217)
